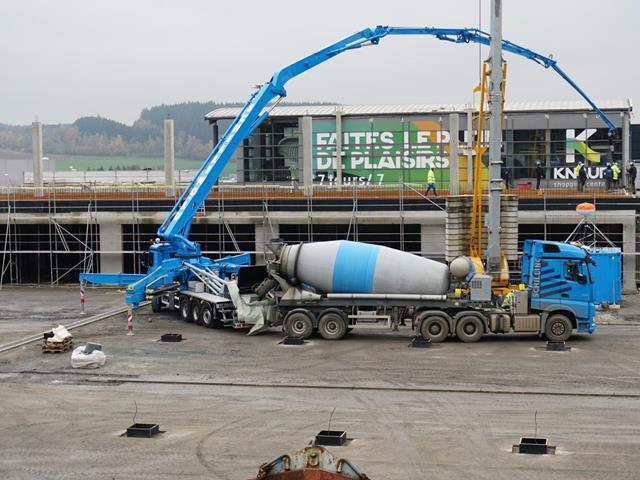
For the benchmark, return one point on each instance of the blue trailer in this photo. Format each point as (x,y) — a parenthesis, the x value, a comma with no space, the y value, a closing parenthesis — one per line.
(606,268)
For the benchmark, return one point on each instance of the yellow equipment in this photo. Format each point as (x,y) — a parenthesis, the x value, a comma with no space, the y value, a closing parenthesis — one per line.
(501,281)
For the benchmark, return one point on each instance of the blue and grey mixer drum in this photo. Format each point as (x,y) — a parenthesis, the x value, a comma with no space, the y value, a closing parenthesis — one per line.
(352,267)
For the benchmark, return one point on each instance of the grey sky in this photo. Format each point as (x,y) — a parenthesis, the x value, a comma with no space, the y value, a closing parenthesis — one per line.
(67,58)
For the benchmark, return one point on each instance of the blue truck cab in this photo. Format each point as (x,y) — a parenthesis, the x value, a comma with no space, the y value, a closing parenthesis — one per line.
(559,276)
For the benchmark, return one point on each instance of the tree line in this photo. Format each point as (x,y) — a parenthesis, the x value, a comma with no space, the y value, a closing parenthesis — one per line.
(96,135)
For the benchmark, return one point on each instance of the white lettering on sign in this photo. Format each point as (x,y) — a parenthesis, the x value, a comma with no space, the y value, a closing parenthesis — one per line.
(569,173)
(323,138)
(325,163)
(443,136)
(423,137)
(387,139)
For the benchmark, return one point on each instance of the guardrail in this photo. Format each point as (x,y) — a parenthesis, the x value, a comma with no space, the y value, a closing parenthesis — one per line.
(279,191)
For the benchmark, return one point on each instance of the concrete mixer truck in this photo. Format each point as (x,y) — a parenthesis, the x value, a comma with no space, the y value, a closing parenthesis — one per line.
(334,287)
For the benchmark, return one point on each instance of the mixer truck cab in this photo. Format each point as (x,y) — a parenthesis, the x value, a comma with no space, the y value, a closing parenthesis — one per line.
(561,287)
(554,299)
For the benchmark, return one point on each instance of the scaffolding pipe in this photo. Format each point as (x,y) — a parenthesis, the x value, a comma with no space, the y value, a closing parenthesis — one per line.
(495,139)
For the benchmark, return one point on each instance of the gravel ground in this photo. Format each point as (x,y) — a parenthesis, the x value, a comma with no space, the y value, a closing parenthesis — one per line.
(228,402)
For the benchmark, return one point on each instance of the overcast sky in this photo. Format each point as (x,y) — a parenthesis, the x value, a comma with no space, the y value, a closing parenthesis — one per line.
(68,58)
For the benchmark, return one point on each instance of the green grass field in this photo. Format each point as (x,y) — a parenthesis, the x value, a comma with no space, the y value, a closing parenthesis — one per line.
(66,162)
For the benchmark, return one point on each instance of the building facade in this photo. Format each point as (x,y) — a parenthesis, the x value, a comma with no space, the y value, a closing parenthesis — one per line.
(399,143)
(285,181)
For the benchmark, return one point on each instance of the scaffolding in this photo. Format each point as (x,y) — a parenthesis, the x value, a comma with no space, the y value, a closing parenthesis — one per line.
(61,227)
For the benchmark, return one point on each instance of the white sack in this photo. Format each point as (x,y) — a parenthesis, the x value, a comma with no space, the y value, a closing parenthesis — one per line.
(95,359)
(59,334)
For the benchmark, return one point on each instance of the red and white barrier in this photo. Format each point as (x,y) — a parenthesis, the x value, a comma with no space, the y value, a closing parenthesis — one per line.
(130,323)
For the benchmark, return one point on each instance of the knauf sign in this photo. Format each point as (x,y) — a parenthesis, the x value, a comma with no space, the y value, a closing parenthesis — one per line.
(578,146)
(382,151)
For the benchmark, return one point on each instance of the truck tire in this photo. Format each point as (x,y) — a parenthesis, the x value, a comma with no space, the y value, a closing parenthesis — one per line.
(332,326)
(156,306)
(207,317)
(185,308)
(469,329)
(435,328)
(298,324)
(195,311)
(558,328)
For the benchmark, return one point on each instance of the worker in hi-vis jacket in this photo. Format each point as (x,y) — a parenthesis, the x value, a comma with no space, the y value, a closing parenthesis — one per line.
(431,182)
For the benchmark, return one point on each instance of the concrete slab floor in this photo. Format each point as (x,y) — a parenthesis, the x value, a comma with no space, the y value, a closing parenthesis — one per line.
(33,309)
(228,402)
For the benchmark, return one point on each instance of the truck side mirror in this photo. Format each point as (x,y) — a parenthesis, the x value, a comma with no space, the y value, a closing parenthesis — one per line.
(582,280)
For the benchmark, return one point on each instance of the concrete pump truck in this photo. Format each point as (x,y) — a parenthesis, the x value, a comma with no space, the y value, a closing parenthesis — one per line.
(556,296)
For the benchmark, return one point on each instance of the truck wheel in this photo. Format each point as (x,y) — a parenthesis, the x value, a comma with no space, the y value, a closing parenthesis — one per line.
(207,317)
(298,324)
(435,329)
(558,328)
(195,311)
(332,326)
(156,306)
(469,329)
(185,308)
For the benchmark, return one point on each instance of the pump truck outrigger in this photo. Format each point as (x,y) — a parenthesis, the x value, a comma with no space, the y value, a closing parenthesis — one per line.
(178,266)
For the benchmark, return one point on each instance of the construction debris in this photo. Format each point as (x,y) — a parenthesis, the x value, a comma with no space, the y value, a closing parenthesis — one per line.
(57,347)
(310,462)
(58,340)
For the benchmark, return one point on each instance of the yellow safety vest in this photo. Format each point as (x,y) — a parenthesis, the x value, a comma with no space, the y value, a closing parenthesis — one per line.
(578,168)
(616,171)
(508,299)
(431,177)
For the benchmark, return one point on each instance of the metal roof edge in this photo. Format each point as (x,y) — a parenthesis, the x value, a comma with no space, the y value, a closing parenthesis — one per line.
(417,109)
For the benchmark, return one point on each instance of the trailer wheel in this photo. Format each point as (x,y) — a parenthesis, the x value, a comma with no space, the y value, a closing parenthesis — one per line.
(206,315)
(195,311)
(208,318)
(185,308)
(435,329)
(558,328)
(156,306)
(469,329)
(332,326)
(298,324)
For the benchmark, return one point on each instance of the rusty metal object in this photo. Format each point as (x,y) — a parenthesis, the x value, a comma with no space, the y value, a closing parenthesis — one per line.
(310,463)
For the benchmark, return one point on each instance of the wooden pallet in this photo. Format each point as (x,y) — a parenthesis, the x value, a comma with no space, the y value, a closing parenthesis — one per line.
(57,347)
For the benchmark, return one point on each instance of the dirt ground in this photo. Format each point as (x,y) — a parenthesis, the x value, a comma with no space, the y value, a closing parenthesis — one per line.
(227,402)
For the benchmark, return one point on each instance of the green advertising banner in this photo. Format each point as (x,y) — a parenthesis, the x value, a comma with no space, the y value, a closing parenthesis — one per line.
(382,151)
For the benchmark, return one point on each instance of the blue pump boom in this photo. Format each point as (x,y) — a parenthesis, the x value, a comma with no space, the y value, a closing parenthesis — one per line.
(175,249)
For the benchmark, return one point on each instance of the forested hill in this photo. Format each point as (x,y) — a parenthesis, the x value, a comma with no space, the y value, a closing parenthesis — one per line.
(95,135)
(187,117)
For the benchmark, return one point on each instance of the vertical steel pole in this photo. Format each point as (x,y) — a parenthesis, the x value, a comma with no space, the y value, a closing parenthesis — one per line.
(306,129)
(338,114)
(626,148)
(495,139)
(169,158)
(469,147)
(454,165)
(38,166)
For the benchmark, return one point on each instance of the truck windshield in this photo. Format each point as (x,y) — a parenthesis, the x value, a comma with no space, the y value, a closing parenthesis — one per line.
(575,272)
